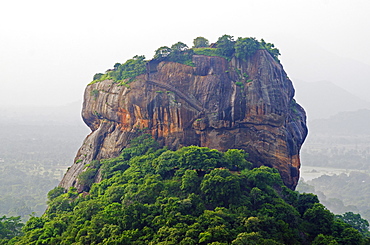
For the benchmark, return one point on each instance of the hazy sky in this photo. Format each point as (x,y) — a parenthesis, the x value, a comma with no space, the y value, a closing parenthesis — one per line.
(50,50)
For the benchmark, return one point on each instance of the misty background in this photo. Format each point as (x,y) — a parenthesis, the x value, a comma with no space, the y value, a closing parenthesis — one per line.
(50,50)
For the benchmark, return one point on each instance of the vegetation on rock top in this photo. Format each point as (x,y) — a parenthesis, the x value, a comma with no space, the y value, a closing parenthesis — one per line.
(123,73)
(225,47)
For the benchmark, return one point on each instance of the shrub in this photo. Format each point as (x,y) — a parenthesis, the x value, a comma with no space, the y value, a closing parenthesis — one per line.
(57,191)
(225,46)
(206,51)
(246,47)
(200,42)
(128,70)
(97,76)
(94,93)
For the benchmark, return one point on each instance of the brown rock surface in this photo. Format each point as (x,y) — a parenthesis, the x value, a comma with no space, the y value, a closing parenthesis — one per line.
(218,104)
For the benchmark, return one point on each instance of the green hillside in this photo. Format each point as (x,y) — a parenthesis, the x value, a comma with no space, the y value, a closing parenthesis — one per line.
(195,195)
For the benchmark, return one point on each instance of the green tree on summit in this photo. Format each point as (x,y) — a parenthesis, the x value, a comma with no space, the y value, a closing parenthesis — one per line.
(179,52)
(225,45)
(200,42)
(246,47)
(179,47)
(162,52)
(270,47)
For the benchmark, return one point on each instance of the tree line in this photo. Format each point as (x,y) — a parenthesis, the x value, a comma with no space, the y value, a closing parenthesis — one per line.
(226,47)
(195,195)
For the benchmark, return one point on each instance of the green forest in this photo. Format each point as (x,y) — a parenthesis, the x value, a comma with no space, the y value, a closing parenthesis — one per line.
(195,195)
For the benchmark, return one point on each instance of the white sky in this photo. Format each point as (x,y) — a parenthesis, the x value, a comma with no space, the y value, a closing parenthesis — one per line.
(50,50)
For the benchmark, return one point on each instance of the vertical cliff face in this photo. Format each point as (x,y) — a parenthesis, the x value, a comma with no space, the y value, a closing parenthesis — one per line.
(217,104)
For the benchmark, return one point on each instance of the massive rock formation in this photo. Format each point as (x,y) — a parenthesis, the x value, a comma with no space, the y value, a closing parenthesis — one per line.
(218,104)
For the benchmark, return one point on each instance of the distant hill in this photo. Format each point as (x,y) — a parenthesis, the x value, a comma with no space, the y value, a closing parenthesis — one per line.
(341,141)
(312,62)
(344,123)
(43,115)
(324,99)
(48,134)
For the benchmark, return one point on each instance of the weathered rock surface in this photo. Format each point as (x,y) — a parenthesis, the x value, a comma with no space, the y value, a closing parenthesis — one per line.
(218,104)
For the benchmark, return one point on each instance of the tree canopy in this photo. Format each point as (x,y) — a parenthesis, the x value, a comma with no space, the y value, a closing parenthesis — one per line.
(246,47)
(225,45)
(200,42)
(179,52)
(124,72)
(195,195)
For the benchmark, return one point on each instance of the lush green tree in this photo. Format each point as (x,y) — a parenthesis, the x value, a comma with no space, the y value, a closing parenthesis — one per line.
(324,240)
(190,181)
(271,228)
(321,220)
(225,45)
(351,236)
(162,52)
(306,201)
(221,188)
(87,177)
(166,163)
(200,158)
(237,159)
(263,177)
(246,47)
(58,205)
(179,52)
(128,70)
(57,191)
(132,67)
(34,223)
(200,42)
(115,193)
(146,192)
(139,146)
(179,47)
(117,65)
(258,197)
(113,166)
(97,76)
(253,238)
(271,49)
(10,227)
(355,221)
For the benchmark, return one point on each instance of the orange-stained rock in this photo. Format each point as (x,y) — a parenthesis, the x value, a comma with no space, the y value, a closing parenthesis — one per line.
(218,104)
